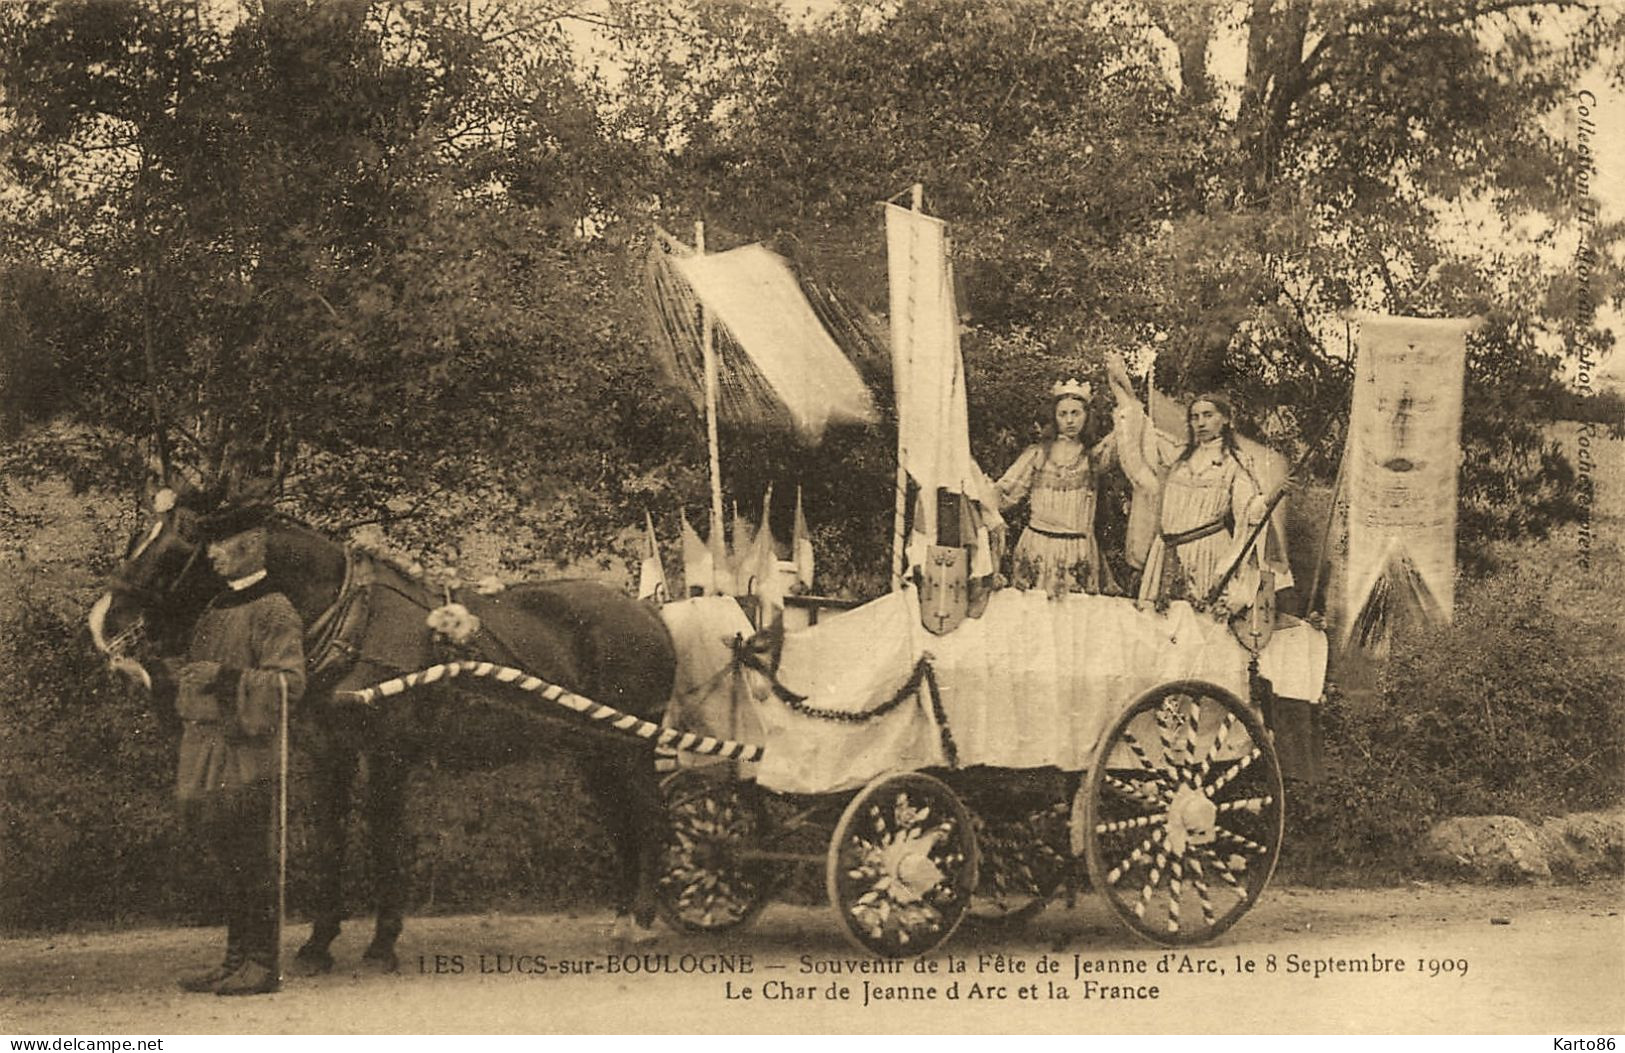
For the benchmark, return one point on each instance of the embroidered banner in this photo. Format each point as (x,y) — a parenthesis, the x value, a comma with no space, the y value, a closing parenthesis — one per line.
(1403,453)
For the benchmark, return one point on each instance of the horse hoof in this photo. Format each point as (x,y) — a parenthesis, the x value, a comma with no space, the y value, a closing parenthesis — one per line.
(312,961)
(624,932)
(381,959)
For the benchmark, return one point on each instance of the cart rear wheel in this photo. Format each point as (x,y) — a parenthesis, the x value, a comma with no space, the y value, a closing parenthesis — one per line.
(902,865)
(708,883)
(1183,813)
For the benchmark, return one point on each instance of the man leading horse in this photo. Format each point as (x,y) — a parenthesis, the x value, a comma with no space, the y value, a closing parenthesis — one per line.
(366,621)
(244,666)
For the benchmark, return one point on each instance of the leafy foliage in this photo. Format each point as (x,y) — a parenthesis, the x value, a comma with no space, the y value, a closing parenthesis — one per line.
(1097,200)
(317,230)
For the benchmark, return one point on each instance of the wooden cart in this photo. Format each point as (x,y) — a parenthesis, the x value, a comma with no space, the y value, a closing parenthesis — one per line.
(1176,818)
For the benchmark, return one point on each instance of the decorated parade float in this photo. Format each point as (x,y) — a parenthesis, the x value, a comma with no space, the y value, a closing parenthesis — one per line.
(973,750)
(965,748)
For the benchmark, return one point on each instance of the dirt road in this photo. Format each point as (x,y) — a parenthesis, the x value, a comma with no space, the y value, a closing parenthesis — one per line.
(1419,959)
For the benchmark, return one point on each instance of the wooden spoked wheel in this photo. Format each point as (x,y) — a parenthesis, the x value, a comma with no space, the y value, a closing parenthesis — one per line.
(708,882)
(902,865)
(1022,864)
(1183,813)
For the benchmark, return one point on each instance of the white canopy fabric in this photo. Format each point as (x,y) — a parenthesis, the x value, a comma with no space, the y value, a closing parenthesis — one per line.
(753,294)
(1034,682)
(927,370)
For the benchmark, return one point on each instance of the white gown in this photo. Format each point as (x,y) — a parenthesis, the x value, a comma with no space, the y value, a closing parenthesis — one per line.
(1214,485)
(1058,551)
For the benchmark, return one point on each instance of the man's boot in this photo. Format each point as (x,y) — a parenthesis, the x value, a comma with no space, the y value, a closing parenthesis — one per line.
(205,981)
(252,978)
(209,979)
(257,973)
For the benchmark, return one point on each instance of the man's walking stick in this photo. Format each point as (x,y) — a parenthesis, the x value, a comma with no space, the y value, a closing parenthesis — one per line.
(280,831)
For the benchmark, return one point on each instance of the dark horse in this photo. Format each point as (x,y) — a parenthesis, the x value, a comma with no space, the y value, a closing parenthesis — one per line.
(365,622)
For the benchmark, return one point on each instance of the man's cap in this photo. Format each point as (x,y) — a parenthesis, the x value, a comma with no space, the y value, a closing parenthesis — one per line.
(233,519)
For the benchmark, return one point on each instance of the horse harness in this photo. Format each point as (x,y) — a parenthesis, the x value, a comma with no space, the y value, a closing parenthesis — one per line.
(338,638)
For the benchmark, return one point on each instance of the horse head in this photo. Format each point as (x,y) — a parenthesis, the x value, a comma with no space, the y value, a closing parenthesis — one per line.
(162,583)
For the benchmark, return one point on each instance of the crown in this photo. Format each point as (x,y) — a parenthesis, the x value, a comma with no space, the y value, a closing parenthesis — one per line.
(1071,388)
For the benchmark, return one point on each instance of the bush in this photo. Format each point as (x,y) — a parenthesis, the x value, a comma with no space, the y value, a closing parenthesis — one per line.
(1517,708)
(86,826)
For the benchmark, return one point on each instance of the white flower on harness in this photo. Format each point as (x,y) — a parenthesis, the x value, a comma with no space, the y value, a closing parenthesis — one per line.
(455,622)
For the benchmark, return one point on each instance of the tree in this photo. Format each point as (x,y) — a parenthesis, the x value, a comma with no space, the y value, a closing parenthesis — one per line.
(1105,185)
(337,238)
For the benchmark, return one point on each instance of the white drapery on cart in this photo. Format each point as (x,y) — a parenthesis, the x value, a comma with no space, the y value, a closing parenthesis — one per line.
(1035,682)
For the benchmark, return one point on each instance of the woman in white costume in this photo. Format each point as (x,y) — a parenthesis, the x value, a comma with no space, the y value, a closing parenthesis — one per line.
(1212,492)
(1057,552)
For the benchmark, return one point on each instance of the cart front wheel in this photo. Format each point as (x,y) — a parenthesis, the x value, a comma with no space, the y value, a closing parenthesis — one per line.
(708,883)
(1183,813)
(902,865)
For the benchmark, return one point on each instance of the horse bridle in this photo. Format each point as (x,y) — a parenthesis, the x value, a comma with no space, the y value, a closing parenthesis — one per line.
(172,535)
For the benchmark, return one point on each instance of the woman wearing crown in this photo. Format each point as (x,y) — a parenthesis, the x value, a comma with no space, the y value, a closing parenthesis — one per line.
(1056,476)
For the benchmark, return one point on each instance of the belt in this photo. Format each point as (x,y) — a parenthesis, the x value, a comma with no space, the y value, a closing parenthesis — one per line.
(1059,535)
(1184,537)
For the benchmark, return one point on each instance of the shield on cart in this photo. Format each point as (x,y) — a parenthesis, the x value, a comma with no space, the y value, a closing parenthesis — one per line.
(944,588)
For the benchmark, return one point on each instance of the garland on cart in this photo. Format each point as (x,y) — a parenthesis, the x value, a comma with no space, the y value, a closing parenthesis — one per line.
(750,655)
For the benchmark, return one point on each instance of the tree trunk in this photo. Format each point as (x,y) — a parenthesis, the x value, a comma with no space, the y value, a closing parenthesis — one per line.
(1273,83)
(1190,26)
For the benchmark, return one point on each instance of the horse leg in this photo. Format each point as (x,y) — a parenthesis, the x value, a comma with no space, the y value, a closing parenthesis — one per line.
(649,831)
(332,779)
(625,798)
(386,838)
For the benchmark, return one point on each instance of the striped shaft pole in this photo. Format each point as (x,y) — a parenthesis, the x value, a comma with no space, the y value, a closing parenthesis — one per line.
(672,738)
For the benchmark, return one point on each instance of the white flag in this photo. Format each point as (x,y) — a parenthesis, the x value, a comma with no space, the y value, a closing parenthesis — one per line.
(801,546)
(699,566)
(651,575)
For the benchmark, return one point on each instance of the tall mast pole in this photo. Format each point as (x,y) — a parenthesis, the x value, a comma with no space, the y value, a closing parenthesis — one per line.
(149,353)
(708,345)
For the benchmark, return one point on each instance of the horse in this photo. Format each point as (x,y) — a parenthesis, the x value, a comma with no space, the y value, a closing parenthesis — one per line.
(365,621)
